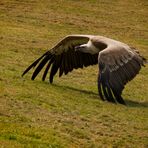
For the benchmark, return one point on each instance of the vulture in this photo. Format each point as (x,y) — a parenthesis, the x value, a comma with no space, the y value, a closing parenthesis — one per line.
(117,62)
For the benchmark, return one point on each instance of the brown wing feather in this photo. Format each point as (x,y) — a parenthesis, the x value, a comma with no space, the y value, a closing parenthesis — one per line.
(63,57)
(117,67)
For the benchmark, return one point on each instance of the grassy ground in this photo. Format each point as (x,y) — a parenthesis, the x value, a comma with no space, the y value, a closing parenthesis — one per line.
(69,113)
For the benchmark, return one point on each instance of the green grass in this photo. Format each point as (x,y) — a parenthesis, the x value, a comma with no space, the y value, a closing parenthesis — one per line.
(69,113)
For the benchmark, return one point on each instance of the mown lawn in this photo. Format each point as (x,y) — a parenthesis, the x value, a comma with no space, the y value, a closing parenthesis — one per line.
(69,113)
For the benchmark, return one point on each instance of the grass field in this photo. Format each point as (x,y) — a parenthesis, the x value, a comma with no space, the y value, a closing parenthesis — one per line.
(69,113)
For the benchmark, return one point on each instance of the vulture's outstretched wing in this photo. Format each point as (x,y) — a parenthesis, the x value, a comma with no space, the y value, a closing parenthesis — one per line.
(63,57)
(117,66)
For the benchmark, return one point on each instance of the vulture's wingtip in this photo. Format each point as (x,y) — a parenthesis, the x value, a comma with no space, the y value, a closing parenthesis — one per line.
(23,74)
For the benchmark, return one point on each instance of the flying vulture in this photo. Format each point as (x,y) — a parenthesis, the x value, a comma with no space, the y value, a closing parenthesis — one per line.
(118,63)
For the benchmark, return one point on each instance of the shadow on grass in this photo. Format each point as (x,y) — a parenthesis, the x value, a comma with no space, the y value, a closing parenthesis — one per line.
(93,94)
(130,103)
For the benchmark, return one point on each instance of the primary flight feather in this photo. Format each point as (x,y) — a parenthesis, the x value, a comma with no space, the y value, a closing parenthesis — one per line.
(118,63)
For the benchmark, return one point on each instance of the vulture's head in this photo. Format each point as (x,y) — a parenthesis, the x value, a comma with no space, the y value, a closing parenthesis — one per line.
(87,48)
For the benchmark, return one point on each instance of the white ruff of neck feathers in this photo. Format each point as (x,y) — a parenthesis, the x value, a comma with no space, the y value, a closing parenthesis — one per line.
(92,48)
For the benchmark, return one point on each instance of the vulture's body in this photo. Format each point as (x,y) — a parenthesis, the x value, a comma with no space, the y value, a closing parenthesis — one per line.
(118,63)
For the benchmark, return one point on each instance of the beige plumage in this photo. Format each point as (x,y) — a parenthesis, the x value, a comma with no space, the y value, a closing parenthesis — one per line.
(118,62)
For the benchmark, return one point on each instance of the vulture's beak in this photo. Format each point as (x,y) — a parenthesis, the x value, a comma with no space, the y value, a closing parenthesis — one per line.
(80,48)
(77,48)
